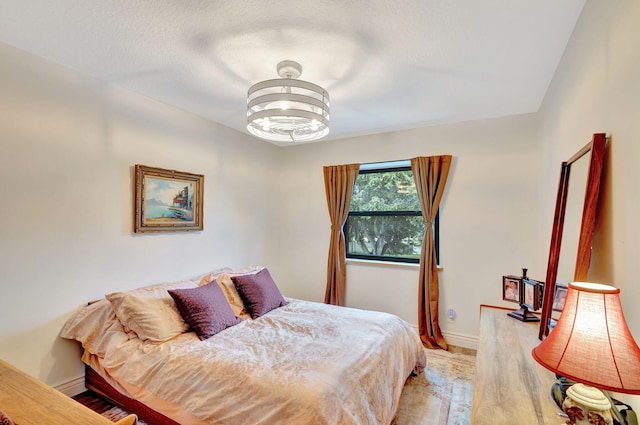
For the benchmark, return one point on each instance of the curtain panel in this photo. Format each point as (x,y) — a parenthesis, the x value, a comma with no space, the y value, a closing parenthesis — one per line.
(430,175)
(338,184)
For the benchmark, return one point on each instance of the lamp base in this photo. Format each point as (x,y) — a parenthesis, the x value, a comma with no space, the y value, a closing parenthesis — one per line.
(622,413)
(587,405)
(524,315)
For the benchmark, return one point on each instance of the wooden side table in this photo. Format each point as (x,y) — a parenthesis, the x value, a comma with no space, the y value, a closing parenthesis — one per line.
(510,387)
(28,401)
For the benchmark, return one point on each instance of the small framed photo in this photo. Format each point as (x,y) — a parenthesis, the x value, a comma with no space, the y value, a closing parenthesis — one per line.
(511,287)
(559,296)
(532,294)
(167,200)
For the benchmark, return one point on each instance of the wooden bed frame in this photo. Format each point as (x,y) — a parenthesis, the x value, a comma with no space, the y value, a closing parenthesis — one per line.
(97,384)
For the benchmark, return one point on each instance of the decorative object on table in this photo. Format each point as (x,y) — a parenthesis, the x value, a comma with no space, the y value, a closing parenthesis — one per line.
(529,295)
(511,288)
(167,200)
(288,109)
(532,294)
(592,345)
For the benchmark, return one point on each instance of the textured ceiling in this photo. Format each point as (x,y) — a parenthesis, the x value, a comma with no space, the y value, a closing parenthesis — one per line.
(388,65)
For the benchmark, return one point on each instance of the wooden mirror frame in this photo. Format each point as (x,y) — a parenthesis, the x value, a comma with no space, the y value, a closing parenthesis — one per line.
(597,149)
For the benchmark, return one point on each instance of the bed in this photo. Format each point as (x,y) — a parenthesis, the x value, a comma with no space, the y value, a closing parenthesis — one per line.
(297,362)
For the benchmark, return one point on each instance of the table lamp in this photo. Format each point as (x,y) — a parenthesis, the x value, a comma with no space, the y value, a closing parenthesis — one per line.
(592,345)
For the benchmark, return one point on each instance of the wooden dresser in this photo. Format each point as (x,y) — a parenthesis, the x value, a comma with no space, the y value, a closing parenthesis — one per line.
(510,386)
(28,401)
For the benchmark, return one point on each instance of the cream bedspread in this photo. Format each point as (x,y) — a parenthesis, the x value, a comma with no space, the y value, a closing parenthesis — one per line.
(305,363)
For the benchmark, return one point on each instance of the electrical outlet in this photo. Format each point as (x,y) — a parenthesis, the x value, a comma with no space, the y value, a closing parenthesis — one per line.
(451,314)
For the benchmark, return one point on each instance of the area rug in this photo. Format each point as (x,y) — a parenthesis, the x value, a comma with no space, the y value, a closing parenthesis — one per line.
(441,395)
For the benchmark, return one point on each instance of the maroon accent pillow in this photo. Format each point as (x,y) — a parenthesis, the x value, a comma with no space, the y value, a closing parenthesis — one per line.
(205,309)
(258,292)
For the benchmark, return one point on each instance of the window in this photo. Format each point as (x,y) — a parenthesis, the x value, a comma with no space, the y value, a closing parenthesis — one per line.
(385,219)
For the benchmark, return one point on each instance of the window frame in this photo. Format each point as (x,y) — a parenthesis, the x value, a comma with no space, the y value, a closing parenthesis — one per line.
(384,167)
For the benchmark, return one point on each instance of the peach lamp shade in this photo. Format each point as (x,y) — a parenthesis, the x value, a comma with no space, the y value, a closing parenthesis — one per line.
(591,343)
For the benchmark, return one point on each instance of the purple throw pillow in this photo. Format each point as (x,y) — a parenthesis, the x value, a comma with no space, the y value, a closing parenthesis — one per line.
(205,309)
(259,293)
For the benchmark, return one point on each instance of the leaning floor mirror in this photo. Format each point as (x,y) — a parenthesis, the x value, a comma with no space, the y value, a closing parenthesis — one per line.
(573,223)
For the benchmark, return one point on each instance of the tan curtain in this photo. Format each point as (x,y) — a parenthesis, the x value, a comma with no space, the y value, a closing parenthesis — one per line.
(430,174)
(338,184)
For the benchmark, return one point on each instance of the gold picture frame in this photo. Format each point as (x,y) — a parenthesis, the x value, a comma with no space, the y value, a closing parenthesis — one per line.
(167,200)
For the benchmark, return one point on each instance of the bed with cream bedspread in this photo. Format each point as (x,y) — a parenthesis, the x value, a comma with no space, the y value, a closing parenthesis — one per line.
(303,363)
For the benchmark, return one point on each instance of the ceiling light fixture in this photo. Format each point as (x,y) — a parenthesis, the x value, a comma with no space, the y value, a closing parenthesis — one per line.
(288,109)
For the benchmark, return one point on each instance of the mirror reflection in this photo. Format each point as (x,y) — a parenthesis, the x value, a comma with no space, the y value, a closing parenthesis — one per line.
(572,220)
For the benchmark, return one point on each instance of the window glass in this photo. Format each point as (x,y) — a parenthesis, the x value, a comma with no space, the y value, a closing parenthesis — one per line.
(385,190)
(385,221)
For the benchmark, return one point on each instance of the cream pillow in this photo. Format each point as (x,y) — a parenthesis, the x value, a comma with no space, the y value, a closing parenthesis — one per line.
(150,312)
(211,276)
(96,327)
(223,278)
(231,294)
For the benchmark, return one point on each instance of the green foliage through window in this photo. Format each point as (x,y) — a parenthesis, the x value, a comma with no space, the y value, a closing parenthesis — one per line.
(385,219)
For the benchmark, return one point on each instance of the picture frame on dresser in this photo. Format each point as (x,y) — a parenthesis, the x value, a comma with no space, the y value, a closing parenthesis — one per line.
(559,296)
(167,200)
(532,294)
(511,288)
(524,291)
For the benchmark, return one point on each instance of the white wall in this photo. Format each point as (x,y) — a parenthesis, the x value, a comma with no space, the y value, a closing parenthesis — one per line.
(68,144)
(488,217)
(596,89)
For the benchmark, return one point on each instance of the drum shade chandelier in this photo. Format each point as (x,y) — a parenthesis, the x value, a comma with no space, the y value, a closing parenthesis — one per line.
(288,109)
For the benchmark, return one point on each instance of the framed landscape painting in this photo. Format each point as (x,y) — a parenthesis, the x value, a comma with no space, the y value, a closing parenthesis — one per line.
(167,200)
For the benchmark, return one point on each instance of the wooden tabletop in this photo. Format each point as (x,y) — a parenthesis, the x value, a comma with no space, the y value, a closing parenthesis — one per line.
(28,401)
(510,386)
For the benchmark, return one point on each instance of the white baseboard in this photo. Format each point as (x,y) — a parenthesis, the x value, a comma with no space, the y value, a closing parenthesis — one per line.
(458,339)
(461,340)
(72,387)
